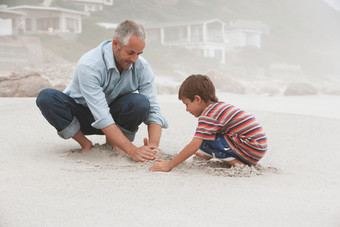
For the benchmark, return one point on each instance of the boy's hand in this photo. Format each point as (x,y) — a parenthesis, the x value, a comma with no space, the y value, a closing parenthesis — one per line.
(160,166)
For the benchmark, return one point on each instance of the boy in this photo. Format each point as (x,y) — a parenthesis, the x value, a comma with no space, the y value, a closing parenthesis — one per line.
(224,131)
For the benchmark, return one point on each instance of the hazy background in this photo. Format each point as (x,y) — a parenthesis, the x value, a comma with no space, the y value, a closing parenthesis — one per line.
(304,36)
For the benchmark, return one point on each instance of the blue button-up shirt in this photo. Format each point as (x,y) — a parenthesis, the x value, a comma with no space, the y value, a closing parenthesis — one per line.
(97,83)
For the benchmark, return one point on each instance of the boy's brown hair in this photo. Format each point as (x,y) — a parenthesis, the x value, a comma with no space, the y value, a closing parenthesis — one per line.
(200,85)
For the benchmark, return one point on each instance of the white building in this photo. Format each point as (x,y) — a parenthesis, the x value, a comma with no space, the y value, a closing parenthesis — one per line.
(11,22)
(5,27)
(40,19)
(205,35)
(243,33)
(92,5)
(212,37)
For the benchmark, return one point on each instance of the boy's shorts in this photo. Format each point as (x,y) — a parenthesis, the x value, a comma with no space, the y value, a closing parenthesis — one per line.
(218,148)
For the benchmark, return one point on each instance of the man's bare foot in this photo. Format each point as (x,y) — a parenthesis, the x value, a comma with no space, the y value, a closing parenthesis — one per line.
(86,147)
(202,155)
(84,142)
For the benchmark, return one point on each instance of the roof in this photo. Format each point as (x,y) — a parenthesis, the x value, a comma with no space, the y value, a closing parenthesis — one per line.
(5,11)
(252,24)
(101,2)
(46,9)
(181,23)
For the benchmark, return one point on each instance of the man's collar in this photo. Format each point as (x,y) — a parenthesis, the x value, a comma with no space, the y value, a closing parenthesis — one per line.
(109,57)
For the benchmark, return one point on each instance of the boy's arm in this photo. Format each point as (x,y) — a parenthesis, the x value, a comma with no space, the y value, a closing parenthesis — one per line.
(189,150)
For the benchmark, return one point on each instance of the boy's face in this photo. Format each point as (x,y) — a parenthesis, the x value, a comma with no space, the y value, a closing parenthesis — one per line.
(195,107)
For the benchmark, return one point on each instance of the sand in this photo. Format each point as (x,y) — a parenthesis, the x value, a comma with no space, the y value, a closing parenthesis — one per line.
(46,181)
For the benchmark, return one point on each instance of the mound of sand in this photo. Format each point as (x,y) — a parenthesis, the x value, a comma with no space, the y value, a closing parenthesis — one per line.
(103,157)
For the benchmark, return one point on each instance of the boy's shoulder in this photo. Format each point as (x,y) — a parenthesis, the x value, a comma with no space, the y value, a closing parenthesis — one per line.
(218,105)
(216,108)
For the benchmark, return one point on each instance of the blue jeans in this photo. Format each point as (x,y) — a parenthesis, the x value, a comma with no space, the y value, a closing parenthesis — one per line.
(218,148)
(68,117)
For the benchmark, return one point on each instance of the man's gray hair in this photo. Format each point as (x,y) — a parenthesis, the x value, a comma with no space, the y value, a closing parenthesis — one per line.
(128,28)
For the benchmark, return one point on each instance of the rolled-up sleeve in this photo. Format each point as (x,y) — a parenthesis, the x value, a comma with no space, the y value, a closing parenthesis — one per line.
(147,87)
(89,84)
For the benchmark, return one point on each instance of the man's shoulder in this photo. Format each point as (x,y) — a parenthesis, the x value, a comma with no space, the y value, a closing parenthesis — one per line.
(92,59)
(96,54)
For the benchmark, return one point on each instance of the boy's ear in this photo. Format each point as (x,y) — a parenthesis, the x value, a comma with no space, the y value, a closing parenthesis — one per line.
(198,98)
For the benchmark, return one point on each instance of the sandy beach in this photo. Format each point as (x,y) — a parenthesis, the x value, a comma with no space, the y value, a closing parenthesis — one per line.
(46,181)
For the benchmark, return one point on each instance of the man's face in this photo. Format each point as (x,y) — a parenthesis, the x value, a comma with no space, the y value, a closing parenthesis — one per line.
(126,55)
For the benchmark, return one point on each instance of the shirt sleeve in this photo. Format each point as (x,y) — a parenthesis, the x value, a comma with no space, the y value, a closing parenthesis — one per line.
(89,84)
(207,128)
(147,87)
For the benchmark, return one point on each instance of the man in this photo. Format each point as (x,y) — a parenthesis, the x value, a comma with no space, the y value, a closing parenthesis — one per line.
(102,97)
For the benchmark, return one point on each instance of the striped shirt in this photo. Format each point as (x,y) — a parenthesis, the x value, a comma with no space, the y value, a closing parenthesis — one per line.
(241,130)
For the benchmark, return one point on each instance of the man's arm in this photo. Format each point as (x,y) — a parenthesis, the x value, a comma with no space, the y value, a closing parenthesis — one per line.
(147,86)
(155,132)
(115,136)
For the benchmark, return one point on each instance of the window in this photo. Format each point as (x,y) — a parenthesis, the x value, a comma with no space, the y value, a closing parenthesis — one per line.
(28,24)
(108,2)
(43,24)
(175,34)
(72,24)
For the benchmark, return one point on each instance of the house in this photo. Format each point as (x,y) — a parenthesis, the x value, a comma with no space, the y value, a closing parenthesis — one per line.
(211,37)
(40,19)
(91,5)
(207,36)
(11,22)
(243,33)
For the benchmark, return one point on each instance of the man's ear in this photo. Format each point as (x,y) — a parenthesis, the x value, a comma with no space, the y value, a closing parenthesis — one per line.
(115,43)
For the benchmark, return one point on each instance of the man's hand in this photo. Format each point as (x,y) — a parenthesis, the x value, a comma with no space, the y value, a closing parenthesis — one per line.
(146,142)
(116,138)
(161,165)
(144,154)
